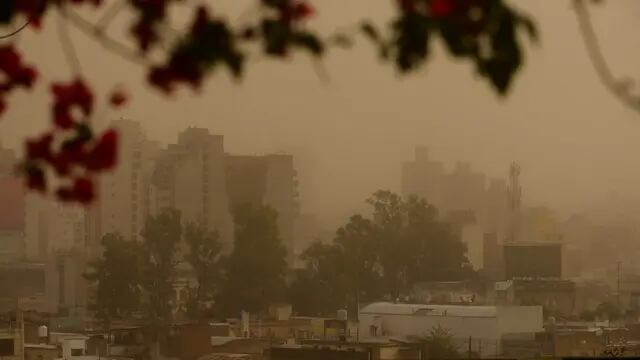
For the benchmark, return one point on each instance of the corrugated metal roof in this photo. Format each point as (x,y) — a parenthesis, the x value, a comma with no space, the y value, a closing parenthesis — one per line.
(386,308)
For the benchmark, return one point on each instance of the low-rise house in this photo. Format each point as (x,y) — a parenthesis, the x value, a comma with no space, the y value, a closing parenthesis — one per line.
(444,292)
(365,349)
(41,352)
(557,297)
(476,328)
(73,346)
(11,344)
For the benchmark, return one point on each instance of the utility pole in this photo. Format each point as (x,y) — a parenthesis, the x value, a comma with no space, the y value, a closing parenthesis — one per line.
(20,320)
(514,193)
(618,291)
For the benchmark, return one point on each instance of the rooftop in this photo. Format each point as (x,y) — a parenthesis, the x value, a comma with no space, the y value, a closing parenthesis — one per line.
(430,310)
(40,346)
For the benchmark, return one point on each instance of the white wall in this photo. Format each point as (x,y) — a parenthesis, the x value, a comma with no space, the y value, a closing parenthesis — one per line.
(408,325)
(519,319)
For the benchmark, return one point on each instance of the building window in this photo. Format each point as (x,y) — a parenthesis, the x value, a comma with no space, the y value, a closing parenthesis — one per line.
(6,347)
(76,352)
(373,330)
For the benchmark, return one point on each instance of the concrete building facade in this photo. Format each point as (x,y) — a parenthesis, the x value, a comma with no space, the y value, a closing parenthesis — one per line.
(423,177)
(52,226)
(124,192)
(269,180)
(189,176)
(484,326)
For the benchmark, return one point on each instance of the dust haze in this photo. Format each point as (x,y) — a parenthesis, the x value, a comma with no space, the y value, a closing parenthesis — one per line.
(350,133)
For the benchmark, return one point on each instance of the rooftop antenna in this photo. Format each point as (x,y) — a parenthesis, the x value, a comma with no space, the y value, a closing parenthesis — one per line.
(514,196)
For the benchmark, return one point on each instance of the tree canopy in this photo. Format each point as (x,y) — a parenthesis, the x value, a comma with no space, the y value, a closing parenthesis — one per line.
(162,234)
(117,276)
(402,243)
(254,271)
(204,253)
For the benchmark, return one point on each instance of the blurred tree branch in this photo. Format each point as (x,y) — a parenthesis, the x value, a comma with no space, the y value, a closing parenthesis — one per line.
(16,31)
(620,88)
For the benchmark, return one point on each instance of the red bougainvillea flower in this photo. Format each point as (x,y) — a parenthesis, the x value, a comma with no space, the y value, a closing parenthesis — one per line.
(61,164)
(40,149)
(407,6)
(150,12)
(32,9)
(296,10)
(441,8)
(15,73)
(35,179)
(70,149)
(26,77)
(93,2)
(118,98)
(104,155)
(81,191)
(161,78)
(67,97)
(182,67)
(144,33)
(303,10)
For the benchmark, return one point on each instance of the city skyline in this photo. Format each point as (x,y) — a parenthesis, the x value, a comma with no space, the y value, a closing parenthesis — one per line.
(365,120)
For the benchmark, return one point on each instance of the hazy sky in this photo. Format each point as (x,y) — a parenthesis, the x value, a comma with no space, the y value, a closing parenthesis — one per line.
(577,145)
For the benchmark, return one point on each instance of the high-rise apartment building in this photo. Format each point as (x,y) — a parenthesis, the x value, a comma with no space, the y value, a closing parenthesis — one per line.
(496,206)
(12,219)
(190,177)
(123,203)
(7,162)
(52,226)
(423,177)
(461,197)
(269,180)
(464,189)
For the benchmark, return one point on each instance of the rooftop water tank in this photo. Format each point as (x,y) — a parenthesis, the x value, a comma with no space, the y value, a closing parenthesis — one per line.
(43,332)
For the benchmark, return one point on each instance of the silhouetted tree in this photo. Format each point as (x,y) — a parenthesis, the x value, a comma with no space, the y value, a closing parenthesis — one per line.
(204,256)
(414,245)
(117,277)
(402,244)
(356,241)
(439,344)
(588,315)
(608,310)
(161,236)
(321,286)
(341,274)
(254,272)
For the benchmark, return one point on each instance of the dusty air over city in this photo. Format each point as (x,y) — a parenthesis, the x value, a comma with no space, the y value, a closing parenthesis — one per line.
(319,179)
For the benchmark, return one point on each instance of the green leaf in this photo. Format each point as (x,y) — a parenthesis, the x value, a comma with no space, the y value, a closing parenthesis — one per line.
(342,41)
(309,41)
(529,26)
(459,43)
(411,41)
(370,31)
(276,36)
(6,11)
(235,62)
(506,56)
